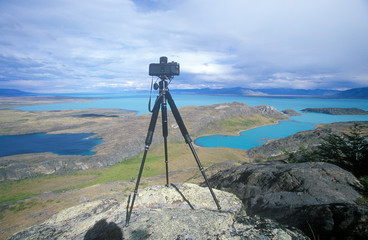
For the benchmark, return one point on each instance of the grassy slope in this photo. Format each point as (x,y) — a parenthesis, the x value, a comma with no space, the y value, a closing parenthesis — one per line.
(232,126)
(180,157)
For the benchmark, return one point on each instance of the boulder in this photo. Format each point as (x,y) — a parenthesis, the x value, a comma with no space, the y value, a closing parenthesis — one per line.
(181,211)
(317,197)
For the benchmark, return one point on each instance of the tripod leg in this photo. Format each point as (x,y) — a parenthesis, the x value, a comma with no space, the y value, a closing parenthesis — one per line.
(148,142)
(188,140)
(165,134)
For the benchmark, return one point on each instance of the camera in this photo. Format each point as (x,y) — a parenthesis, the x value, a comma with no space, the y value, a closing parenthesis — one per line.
(164,68)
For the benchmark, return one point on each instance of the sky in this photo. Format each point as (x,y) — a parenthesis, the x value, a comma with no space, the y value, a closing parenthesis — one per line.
(64,46)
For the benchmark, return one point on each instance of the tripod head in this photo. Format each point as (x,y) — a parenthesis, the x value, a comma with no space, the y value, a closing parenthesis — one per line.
(163,84)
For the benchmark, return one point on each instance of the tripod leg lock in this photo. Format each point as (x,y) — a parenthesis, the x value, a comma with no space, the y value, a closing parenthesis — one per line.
(187,139)
(149,137)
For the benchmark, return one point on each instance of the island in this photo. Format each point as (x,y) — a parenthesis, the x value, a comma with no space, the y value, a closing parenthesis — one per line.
(336,111)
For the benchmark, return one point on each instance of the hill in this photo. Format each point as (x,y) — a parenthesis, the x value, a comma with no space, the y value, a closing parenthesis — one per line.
(355,93)
(14,93)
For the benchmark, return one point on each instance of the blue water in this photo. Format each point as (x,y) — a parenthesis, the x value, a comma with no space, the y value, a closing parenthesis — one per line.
(62,144)
(254,137)
(247,139)
(139,102)
(258,136)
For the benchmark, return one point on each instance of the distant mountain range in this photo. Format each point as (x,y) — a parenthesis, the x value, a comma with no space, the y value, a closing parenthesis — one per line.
(14,93)
(361,93)
(358,93)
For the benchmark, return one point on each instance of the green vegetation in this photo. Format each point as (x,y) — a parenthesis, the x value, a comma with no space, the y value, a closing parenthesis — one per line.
(128,169)
(20,206)
(240,123)
(179,158)
(12,191)
(347,150)
(364,181)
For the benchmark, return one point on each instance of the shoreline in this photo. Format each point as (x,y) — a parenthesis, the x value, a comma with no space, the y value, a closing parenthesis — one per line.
(238,134)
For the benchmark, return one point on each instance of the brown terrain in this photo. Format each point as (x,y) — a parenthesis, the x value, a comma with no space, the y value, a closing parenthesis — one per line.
(46,182)
(34,187)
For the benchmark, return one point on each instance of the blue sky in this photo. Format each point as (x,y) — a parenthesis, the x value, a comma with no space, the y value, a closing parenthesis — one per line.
(107,45)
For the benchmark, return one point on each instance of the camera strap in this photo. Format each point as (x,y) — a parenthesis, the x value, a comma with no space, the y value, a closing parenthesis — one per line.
(155,86)
(149,102)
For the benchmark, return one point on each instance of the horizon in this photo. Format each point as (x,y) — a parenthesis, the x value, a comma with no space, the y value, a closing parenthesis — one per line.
(117,91)
(66,46)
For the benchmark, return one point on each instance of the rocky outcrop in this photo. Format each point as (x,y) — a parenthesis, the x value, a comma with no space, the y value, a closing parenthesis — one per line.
(276,149)
(315,197)
(161,213)
(290,112)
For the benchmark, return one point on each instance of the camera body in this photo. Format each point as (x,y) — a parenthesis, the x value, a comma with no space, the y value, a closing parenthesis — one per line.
(164,68)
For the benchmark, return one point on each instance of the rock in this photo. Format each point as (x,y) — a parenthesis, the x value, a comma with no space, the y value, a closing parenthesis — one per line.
(198,197)
(333,221)
(277,147)
(317,196)
(161,213)
(290,112)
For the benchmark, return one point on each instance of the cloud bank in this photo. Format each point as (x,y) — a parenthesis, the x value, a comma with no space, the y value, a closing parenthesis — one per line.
(90,46)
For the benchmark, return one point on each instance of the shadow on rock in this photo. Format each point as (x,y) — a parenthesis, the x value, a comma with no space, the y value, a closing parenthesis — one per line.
(104,230)
(182,195)
(140,234)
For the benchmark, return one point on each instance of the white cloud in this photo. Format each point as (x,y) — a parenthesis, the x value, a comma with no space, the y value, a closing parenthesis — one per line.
(303,44)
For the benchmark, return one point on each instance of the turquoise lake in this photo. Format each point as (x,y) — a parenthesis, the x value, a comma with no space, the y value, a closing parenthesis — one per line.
(62,144)
(247,139)
(254,137)
(139,102)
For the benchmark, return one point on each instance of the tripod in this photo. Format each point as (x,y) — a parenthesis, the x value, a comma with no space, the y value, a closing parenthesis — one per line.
(164,95)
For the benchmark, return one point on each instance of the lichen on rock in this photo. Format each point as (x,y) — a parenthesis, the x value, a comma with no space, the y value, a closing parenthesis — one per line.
(161,213)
